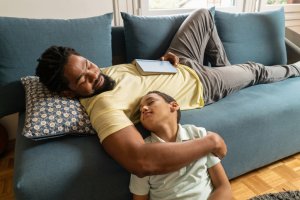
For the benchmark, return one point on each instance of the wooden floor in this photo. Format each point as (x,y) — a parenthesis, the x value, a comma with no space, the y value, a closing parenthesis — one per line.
(277,177)
(6,173)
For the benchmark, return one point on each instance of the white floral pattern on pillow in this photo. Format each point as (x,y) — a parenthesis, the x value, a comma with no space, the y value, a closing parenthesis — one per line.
(50,115)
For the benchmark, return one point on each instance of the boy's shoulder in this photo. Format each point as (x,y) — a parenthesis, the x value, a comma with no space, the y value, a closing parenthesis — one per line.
(194,131)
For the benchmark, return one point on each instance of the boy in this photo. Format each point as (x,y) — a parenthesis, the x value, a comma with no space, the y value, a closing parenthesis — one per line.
(202,179)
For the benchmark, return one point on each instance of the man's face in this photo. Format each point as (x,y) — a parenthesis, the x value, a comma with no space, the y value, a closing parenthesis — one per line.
(85,78)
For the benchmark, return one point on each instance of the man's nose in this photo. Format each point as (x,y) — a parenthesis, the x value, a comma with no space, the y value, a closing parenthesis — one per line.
(91,75)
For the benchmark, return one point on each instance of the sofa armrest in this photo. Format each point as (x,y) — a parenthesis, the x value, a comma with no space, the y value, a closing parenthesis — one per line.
(293,52)
(12,98)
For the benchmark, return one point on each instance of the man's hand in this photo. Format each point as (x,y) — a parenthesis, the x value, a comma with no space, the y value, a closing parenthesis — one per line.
(128,148)
(171,57)
(220,146)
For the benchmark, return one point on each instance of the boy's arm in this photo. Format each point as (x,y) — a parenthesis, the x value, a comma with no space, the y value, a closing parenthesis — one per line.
(222,189)
(128,148)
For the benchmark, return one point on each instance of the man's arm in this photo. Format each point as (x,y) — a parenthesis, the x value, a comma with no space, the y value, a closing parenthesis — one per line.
(128,148)
(222,189)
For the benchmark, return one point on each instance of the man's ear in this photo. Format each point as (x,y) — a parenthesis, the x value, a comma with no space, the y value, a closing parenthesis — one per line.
(68,93)
(174,106)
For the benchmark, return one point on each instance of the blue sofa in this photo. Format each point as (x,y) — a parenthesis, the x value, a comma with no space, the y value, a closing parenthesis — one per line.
(260,124)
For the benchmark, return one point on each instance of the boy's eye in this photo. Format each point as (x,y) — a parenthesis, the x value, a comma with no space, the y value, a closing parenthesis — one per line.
(150,102)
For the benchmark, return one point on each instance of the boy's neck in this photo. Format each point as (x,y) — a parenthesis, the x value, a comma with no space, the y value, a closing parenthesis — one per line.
(168,132)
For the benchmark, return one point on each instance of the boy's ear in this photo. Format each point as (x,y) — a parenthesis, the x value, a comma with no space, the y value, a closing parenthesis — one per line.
(68,93)
(174,106)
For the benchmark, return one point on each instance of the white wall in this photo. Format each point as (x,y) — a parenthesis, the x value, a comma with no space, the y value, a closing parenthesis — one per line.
(57,9)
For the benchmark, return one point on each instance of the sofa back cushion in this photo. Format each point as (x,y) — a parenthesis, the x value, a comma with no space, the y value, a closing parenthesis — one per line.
(23,40)
(148,37)
(257,37)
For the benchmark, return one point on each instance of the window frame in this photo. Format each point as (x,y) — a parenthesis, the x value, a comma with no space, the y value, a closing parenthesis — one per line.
(144,9)
(287,7)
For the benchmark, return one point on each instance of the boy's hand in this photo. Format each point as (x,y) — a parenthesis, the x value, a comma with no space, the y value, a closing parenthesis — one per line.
(220,146)
(171,57)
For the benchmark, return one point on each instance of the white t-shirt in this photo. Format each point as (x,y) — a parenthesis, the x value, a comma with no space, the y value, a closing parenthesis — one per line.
(191,182)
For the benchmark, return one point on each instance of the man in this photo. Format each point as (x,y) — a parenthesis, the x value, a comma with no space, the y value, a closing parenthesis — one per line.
(113,93)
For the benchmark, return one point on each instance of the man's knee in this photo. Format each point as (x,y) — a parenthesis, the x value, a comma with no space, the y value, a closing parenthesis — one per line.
(203,13)
(202,16)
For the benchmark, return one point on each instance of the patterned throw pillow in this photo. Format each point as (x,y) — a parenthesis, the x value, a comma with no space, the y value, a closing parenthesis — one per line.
(49,115)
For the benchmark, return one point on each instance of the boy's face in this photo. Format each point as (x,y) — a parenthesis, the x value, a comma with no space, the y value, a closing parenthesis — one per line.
(156,111)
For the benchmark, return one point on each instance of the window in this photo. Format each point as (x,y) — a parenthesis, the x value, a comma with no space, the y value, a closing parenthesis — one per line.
(291,8)
(161,7)
(289,5)
(292,16)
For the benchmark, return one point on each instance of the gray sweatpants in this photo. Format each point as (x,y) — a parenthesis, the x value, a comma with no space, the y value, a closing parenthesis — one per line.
(197,37)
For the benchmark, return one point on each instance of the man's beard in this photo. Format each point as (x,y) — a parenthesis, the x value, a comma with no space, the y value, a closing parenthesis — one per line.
(108,85)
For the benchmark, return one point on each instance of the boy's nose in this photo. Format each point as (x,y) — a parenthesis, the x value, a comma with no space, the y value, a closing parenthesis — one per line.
(144,109)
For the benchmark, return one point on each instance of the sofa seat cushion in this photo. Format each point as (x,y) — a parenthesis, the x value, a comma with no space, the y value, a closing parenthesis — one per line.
(258,124)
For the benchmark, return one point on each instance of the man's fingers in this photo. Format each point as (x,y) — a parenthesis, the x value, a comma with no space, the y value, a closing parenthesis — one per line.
(171,57)
(176,61)
(220,146)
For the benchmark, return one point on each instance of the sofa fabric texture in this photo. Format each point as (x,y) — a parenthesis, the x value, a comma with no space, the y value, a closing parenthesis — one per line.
(259,124)
(22,41)
(142,40)
(256,37)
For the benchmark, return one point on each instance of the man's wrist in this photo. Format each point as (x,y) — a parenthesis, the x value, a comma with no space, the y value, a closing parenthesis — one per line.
(212,141)
(218,146)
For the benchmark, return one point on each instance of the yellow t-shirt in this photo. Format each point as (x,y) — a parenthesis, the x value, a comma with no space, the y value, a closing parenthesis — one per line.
(116,109)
